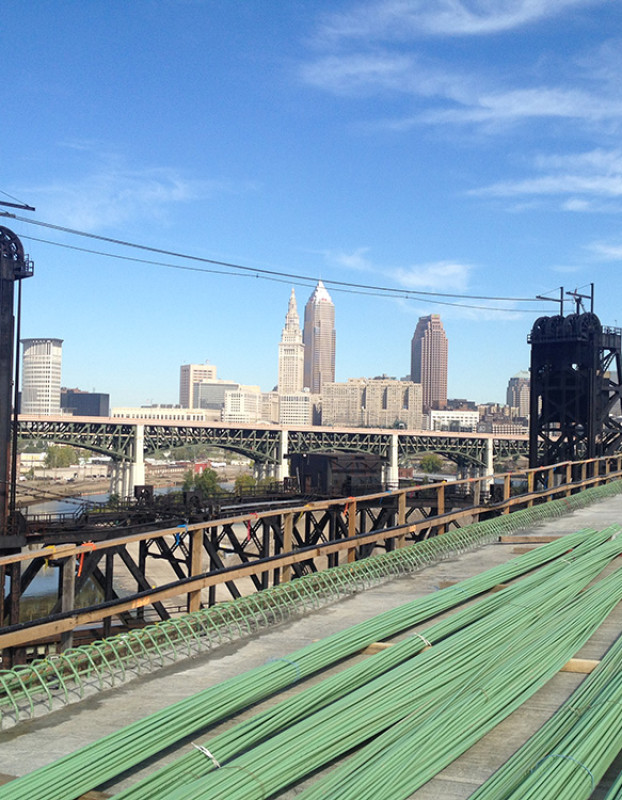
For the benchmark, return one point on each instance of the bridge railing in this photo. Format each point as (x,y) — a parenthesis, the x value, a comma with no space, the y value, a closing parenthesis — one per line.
(271,547)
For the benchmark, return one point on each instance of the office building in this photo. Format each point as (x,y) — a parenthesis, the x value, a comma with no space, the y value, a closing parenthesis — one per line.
(41,376)
(211,393)
(189,376)
(291,352)
(518,394)
(372,403)
(84,404)
(242,406)
(298,408)
(428,362)
(319,340)
(455,420)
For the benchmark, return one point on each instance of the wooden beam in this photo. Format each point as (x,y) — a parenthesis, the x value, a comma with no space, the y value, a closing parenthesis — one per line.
(538,538)
(582,666)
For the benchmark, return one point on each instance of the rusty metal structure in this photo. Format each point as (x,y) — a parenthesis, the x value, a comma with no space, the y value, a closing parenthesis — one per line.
(575,389)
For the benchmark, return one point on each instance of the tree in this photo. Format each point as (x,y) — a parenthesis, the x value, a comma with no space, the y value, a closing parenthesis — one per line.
(60,456)
(431,462)
(244,483)
(206,482)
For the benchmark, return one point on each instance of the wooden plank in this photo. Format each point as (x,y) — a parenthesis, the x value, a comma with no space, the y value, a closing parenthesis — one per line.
(581,665)
(536,538)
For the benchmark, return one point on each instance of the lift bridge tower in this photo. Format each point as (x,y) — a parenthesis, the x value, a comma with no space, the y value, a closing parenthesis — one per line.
(14,266)
(575,386)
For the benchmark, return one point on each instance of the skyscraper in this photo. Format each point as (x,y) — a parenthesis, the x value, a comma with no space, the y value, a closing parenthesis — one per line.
(517,396)
(291,352)
(319,340)
(190,375)
(41,374)
(428,361)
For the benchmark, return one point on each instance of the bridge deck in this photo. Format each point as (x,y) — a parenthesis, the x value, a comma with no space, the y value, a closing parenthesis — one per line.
(46,739)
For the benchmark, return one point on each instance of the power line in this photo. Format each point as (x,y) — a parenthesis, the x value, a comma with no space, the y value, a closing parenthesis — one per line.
(401,292)
(397,294)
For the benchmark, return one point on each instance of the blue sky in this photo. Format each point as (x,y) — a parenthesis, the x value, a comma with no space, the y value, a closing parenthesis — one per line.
(468,148)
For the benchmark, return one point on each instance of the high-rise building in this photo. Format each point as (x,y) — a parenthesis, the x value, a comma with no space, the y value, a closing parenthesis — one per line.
(428,361)
(518,393)
(84,404)
(41,375)
(291,352)
(189,376)
(372,403)
(319,340)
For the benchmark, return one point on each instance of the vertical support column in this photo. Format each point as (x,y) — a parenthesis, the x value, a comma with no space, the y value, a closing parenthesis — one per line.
(550,481)
(196,567)
(288,539)
(530,483)
(117,479)
(507,488)
(137,467)
(351,551)
(490,462)
(401,519)
(68,597)
(393,476)
(440,505)
(108,591)
(265,552)
(282,469)
(568,479)
(142,566)
(477,490)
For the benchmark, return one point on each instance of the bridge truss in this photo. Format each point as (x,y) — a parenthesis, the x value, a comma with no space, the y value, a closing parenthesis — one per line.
(265,444)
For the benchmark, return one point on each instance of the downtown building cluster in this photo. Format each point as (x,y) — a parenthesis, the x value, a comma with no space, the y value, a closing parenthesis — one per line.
(306,392)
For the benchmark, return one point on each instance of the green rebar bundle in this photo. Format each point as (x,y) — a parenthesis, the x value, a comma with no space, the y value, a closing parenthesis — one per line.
(103,760)
(479,674)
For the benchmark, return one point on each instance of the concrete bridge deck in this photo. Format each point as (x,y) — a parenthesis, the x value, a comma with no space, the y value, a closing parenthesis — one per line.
(33,744)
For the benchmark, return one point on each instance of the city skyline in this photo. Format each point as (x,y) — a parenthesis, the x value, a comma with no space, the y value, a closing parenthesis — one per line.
(457,150)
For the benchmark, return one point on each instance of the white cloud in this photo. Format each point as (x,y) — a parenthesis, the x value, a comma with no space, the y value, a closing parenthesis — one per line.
(607,252)
(355,260)
(112,195)
(593,174)
(399,19)
(442,276)
(379,49)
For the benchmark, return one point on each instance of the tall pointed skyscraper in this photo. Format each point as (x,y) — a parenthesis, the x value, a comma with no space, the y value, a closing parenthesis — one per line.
(319,340)
(428,361)
(291,352)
